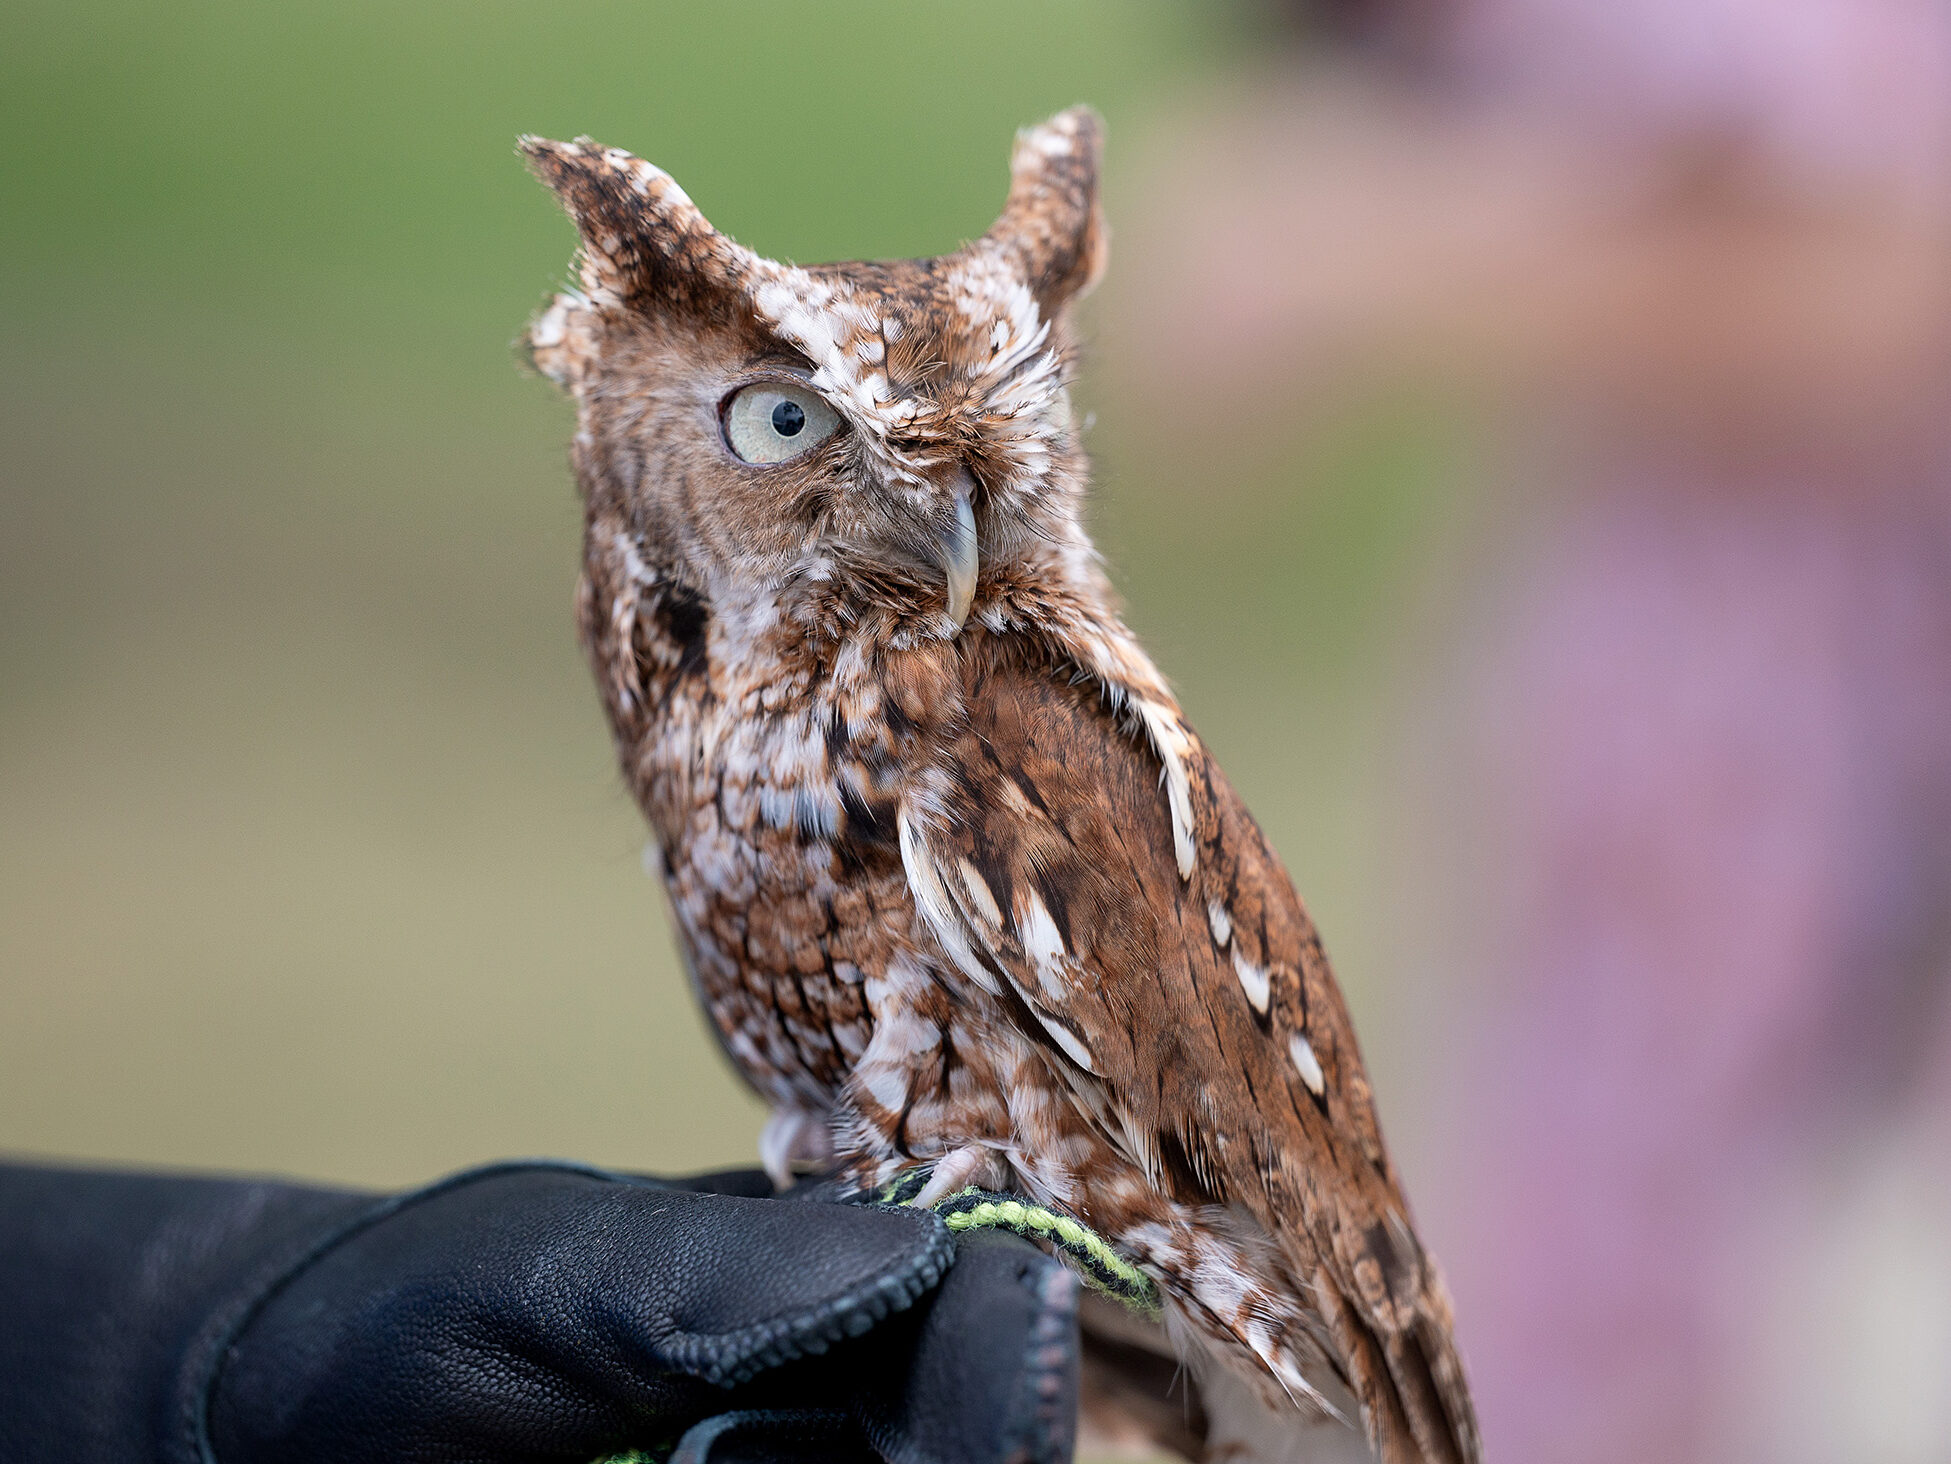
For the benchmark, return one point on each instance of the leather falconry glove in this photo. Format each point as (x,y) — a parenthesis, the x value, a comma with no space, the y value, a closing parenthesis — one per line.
(520,1312)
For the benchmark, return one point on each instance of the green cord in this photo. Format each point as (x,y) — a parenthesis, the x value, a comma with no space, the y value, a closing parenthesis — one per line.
(1102,1268)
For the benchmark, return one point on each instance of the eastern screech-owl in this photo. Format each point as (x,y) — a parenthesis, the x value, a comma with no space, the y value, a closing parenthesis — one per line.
(954,878)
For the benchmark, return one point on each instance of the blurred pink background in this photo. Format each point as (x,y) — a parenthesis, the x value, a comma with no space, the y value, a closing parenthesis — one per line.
(1680,763)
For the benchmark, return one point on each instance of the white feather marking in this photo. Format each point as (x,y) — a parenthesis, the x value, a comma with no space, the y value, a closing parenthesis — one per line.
(1301,1052)
(1174,747)
(980,895)
(1220,921)
(911,1035)
(1299,1388)
(931,898)
(552,326)
(1045,948)
(1052,140)
(1043,945)
(886,1084)
(1075,1050)
(1253,981)
(1219,1280)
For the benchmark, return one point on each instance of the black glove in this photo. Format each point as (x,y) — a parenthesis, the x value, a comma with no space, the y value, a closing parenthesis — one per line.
(522,1312)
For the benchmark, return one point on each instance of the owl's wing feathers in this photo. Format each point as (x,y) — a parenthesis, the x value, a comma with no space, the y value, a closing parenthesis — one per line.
(1206,1011)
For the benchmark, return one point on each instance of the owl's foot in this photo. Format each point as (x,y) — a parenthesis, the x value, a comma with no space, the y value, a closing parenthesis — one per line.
(957,1170)
(793,1135)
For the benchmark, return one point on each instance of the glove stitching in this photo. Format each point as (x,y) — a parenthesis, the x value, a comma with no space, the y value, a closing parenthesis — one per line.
(1041,1426)
(730,1358)
(725,1359)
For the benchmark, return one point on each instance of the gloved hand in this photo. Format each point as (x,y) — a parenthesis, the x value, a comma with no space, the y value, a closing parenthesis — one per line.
(523,1312)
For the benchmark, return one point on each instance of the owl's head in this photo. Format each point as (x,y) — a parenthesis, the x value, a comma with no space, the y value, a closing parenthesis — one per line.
(898,431)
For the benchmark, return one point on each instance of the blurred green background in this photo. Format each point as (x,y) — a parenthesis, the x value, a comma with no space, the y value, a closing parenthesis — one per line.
(312,854)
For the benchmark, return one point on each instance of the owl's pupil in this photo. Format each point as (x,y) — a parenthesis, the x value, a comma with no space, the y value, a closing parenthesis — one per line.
(788,418)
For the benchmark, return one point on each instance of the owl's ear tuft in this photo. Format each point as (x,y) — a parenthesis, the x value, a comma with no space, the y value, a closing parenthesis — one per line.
(644,241)
(1052,226)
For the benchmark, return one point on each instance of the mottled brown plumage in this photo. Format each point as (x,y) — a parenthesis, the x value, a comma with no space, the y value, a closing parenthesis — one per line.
(954,878)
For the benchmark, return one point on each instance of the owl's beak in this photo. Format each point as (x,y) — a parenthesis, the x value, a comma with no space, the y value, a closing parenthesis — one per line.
(961,556)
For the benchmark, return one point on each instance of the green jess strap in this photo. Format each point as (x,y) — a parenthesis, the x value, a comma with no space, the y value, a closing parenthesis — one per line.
(1102,1268)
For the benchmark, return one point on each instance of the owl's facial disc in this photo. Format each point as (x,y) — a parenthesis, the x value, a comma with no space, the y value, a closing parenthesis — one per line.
(771,423)
(904,383)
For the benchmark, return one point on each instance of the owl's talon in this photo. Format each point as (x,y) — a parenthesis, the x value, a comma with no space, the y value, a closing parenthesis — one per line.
(790,1135)
(956,1171)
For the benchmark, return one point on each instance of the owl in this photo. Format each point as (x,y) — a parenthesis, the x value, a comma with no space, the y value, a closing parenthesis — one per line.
(955,880)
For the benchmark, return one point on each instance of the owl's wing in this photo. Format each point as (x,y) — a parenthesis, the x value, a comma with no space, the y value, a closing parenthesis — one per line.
(1203,1005)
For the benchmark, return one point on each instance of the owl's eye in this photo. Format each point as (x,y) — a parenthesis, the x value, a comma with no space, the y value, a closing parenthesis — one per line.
(768,422)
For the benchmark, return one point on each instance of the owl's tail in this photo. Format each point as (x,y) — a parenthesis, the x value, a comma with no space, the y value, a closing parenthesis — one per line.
(1365,1327)
(1403,1366)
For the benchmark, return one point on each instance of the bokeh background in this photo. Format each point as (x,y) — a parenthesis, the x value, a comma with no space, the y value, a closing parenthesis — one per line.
(1522,437)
